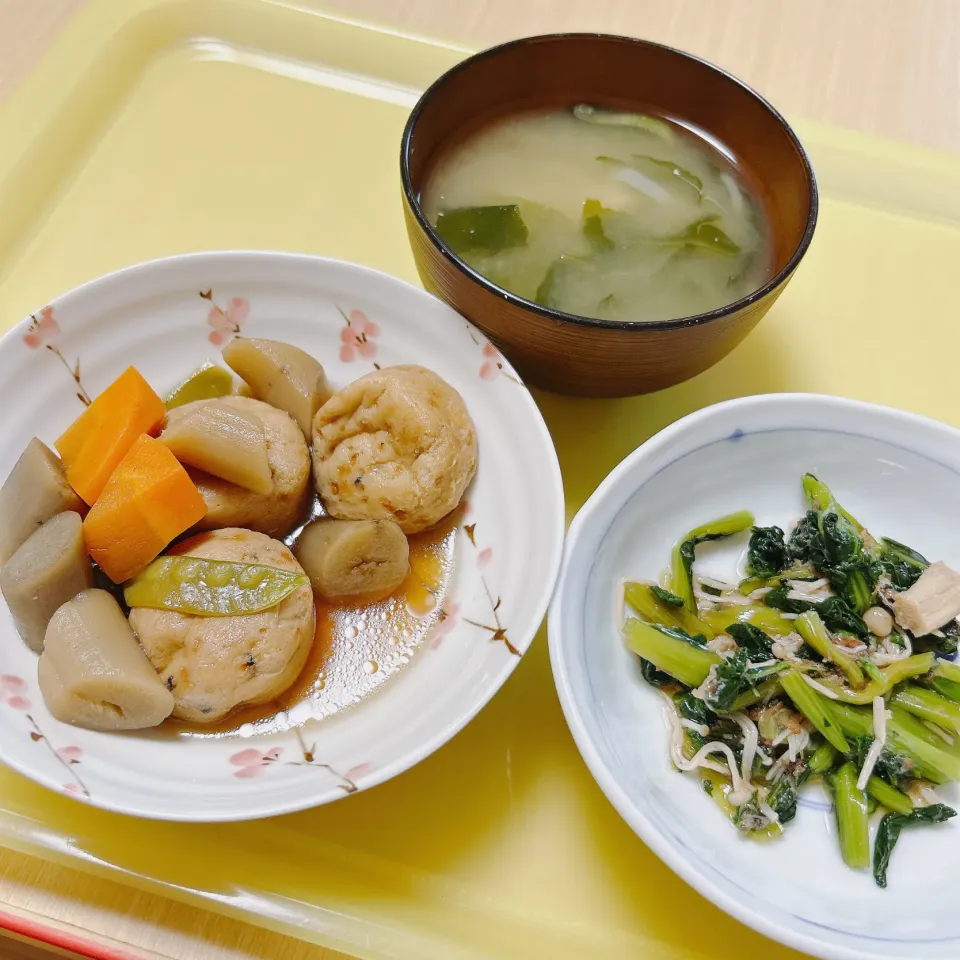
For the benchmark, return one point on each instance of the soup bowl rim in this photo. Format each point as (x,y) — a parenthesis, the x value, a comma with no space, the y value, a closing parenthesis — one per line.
(560,316)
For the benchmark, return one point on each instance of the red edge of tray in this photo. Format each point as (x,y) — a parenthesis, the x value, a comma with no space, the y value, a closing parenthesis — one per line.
(62,940)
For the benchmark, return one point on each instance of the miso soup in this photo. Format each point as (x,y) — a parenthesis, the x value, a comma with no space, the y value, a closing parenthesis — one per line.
(603,214)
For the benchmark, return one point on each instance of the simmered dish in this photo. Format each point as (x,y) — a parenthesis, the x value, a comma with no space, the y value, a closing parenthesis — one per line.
(618,216)
(175,562)
(830,659)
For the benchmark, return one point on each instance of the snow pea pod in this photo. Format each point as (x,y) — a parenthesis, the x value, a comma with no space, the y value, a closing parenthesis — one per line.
(211,588)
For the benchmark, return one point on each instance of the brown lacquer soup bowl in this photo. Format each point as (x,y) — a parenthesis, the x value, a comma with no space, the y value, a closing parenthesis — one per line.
(581,355)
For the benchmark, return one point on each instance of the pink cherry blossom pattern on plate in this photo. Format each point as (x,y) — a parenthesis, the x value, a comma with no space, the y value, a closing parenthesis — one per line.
(358,337)
(11,692)
(251,762)
(227,322)
(361,769)
(449,618)
(484,557)
(492,364)
(43,327)
(70,754)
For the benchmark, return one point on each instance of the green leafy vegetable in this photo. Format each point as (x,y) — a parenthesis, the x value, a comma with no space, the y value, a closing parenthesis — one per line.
(693,708)
(928,705)
(906,736)
(666,596)
(889,677)
(766,553)
(211,588)
(705,235)
(488,229)
(783,799)
(816,708)
(671,169)
(734,677)
(655,677)
(813,631)
(891,766)
(945,679)
(804,543)
(649,602)
(853,819)
(888,833)
(592,227)
(944,645)
(834,611)
(621,118)
(821,499)
(546,295)
(823,759)
(903,565)
(679,657)
(684,551)
(890,797)
(752,639)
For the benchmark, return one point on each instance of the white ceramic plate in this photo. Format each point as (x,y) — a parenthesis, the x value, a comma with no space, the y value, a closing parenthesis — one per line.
(167,317)
(900,475)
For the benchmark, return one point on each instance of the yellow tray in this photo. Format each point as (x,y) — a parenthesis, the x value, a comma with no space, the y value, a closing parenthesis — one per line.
(159,126)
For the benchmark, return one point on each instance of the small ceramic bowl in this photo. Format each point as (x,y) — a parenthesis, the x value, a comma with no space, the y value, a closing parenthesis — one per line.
(899,474)
(168,317)
(579,355)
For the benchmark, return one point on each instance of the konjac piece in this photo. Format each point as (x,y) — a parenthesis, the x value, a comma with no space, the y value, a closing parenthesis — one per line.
(36,490)
(50,568)
(93,672)
(149,500)
(101,436)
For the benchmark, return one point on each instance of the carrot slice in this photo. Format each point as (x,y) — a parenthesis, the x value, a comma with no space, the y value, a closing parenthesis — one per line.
(101,436)
(148,500)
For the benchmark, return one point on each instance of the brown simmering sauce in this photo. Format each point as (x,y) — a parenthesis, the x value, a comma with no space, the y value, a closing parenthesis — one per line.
(357,645)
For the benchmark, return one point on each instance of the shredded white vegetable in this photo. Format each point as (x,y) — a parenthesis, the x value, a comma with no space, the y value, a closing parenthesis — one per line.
(780,737)
(768,811)
(778,769)
(722,645)
(808,587)
(888,652)
(819,687)
(700,758)
(700,728)
(751,738)
(796,744)
(879,739)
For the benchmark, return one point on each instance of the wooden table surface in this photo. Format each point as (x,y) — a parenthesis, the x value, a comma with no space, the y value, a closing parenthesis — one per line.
(882,66)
